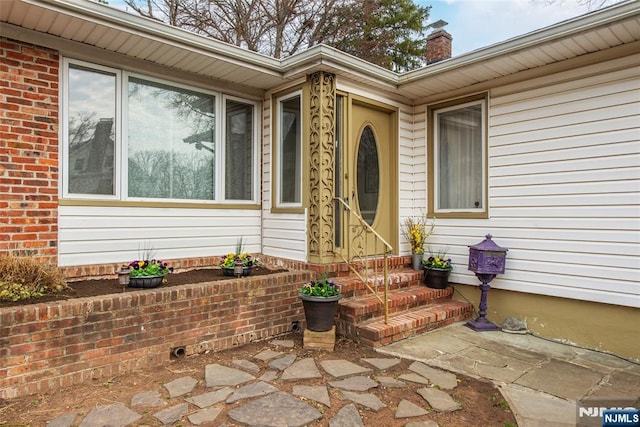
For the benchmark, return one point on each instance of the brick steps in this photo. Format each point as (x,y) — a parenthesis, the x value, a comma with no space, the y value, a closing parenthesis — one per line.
(367,307)
(414,322)
(351,286)
(413,309)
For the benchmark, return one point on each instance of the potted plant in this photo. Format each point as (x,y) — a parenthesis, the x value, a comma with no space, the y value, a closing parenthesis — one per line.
(416,231)
(436,270)
(239,260)
(320,301)
(147,273)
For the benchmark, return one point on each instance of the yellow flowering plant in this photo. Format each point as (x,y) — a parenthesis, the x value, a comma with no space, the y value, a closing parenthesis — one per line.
(229,260)
(323,287)
(416,231)
(153,267)
(438,260)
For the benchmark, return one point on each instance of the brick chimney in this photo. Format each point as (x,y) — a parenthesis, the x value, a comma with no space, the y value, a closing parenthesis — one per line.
(438,46)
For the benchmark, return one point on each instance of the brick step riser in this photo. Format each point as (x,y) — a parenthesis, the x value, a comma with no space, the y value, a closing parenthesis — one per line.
(413,332)
(416,323)
(376,310)
(353,288)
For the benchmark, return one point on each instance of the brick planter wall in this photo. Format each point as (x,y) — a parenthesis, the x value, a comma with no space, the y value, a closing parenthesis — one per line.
(29,150)
(45,347)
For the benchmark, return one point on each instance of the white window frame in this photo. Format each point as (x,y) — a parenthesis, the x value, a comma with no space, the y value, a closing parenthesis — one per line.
(278,152)
(436,156)
(121,141)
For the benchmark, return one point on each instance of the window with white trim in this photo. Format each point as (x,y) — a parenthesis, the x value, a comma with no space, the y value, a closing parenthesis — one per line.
(91,103)
(289,151)
(457,158)
(130,137)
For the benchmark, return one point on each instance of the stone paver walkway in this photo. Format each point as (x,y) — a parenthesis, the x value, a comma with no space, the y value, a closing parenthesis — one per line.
(258,401)
(541,381)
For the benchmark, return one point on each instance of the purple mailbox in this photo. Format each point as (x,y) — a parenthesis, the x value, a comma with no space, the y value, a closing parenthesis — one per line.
(486,260)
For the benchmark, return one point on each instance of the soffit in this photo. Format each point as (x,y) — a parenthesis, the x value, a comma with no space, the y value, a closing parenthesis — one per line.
(137,37)
(116,31)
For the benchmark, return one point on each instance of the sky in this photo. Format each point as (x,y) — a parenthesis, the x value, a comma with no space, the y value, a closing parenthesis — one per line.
(475,24)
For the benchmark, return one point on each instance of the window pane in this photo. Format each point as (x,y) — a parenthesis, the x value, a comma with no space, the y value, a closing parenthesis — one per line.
(290,151)
(459,154)
(239,169)
(91,131)
(171,142)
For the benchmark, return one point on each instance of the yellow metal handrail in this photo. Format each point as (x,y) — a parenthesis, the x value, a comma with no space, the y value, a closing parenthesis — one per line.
(361,232)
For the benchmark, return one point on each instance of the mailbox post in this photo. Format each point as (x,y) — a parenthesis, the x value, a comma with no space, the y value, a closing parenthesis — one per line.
(486,260)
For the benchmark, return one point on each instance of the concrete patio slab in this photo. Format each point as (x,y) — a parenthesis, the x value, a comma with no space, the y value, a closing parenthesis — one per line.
(576,381)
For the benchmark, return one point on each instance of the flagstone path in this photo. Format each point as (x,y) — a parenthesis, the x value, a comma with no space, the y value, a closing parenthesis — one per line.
(260,401)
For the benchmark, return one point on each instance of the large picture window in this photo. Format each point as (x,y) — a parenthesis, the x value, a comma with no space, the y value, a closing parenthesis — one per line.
(289,151)
(168,143)
(457,154)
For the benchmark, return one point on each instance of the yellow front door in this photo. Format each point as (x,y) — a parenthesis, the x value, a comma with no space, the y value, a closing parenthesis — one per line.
(370,168)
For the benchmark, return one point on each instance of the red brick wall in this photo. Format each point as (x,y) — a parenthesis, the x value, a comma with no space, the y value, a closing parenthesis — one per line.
(45,347)
(29,150)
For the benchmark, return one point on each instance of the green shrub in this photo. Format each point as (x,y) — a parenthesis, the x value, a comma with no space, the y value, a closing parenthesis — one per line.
(25,277)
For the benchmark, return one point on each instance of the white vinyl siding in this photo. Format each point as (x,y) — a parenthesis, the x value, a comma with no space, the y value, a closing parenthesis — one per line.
(412,171)
(102,235)
(564,189)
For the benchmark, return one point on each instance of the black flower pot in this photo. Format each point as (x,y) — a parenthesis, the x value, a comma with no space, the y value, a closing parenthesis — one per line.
(319,312)
(436,278)
(146,281)
(230,271)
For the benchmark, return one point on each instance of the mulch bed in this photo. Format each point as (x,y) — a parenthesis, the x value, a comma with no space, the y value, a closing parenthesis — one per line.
(96,287)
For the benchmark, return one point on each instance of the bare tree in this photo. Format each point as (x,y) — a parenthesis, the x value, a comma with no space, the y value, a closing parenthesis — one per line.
(589,4)
(391,31)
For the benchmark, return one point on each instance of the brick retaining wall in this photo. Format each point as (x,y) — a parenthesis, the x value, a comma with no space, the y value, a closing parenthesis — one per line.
(49,346)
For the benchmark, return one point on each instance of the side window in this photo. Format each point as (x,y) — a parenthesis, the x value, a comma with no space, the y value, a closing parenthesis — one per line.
(239,150)
(90,131)
(289,151)
(457,152)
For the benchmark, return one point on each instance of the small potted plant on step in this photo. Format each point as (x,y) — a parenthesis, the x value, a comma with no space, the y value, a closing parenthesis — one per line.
(436,270)
(320,301)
